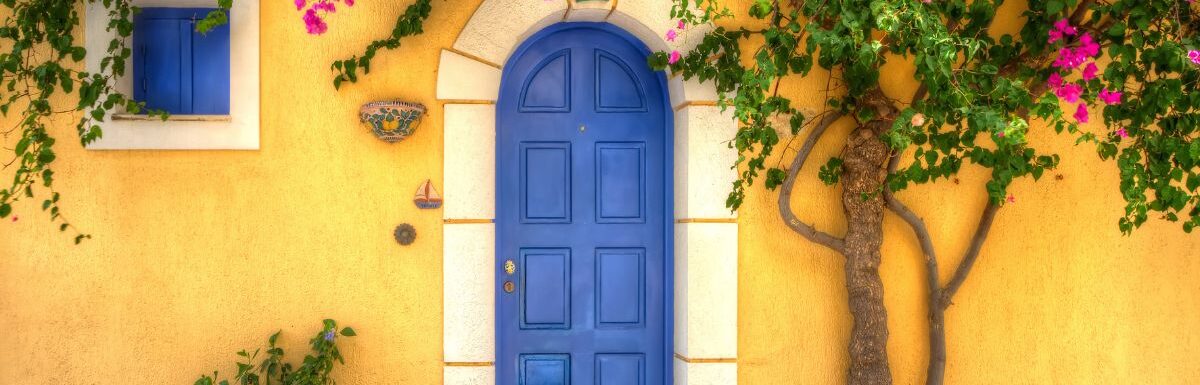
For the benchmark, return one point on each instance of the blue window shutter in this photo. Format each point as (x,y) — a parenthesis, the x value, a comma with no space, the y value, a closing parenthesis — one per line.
(210,71)
(177,69)
(159,53)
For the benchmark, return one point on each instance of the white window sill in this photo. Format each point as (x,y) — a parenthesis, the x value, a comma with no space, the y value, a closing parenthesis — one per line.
(173,118)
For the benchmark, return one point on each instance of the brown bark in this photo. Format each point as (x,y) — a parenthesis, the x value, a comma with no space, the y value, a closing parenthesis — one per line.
(863,173)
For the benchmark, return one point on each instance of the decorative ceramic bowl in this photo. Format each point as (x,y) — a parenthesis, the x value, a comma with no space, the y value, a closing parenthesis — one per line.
(392,121)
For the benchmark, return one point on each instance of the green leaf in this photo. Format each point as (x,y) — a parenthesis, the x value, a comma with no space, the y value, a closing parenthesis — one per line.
(348,332)
(22,145)
(5,209)
(1053,7)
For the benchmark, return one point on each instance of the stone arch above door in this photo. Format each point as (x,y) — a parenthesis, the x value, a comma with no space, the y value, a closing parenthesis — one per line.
(705,291)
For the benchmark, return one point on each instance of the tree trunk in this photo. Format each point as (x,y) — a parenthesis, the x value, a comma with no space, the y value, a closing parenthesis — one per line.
(936,373)
(864,170)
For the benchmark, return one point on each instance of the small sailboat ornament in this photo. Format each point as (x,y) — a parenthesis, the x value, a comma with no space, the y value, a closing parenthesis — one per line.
(427,197)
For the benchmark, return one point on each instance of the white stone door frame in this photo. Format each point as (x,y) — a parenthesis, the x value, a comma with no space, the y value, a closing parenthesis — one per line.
(706,233)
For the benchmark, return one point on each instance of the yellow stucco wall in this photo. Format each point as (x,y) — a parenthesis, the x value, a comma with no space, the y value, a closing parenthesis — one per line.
(198,254)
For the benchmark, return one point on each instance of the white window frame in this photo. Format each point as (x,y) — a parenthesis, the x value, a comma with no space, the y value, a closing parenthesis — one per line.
(237,131)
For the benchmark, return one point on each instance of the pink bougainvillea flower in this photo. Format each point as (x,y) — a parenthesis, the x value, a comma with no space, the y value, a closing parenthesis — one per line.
(681,24)
(1055,35)
(1089,72)
(1064,27)
(14,218)
(314,23)
(349,3)
(1081,113)
(300,4)
(1069,92)
(1194,55)
(1122,133)
(324,5)
(1110,97)
(1069,59)
(927,1)
(918,119)
(675,56)
(1012,199)
(671,35)
(1000,134)
(1055,80)
(1088,46)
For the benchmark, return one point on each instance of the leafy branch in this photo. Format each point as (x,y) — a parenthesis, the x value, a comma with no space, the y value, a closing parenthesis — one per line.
(408,24)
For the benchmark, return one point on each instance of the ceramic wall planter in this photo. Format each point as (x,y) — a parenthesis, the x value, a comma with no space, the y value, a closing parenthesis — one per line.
(392,121)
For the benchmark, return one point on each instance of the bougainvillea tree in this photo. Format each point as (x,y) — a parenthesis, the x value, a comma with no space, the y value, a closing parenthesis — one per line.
(1128,66)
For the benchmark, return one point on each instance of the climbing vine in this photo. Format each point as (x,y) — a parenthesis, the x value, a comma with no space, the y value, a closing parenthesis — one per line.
(41,80)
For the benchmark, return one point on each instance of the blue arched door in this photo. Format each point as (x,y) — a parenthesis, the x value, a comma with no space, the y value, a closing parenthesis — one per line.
(583,255)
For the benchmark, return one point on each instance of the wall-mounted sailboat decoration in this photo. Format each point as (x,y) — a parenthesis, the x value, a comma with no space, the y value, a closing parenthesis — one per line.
(427,197)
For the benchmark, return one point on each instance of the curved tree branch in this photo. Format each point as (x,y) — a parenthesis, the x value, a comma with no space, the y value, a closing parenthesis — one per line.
(968,261)
(785,192)
(918,226)
(935,374)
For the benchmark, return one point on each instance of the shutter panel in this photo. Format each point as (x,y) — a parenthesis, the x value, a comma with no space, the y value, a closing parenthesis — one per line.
(161,57)
(210,71)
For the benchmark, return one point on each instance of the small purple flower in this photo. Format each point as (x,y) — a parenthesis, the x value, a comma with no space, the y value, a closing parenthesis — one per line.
(671,35)
(1194,55)
(329,336)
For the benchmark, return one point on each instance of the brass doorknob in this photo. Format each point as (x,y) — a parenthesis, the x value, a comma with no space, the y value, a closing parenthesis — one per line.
(509,286)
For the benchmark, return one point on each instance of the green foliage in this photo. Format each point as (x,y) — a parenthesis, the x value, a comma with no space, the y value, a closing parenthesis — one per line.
(216,17)
(314,370)
(40,80)
(831,171)
(408,24)
(979,90)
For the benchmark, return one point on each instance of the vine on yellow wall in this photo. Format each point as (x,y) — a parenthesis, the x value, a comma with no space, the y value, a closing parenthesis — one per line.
(315,369)
(39,81)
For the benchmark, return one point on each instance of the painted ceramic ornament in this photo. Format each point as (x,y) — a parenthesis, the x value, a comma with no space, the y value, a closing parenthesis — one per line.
(392,121)
(405,234)
(427,197)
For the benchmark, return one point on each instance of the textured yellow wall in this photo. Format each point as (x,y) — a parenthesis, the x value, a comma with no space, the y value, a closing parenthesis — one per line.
(198,254)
